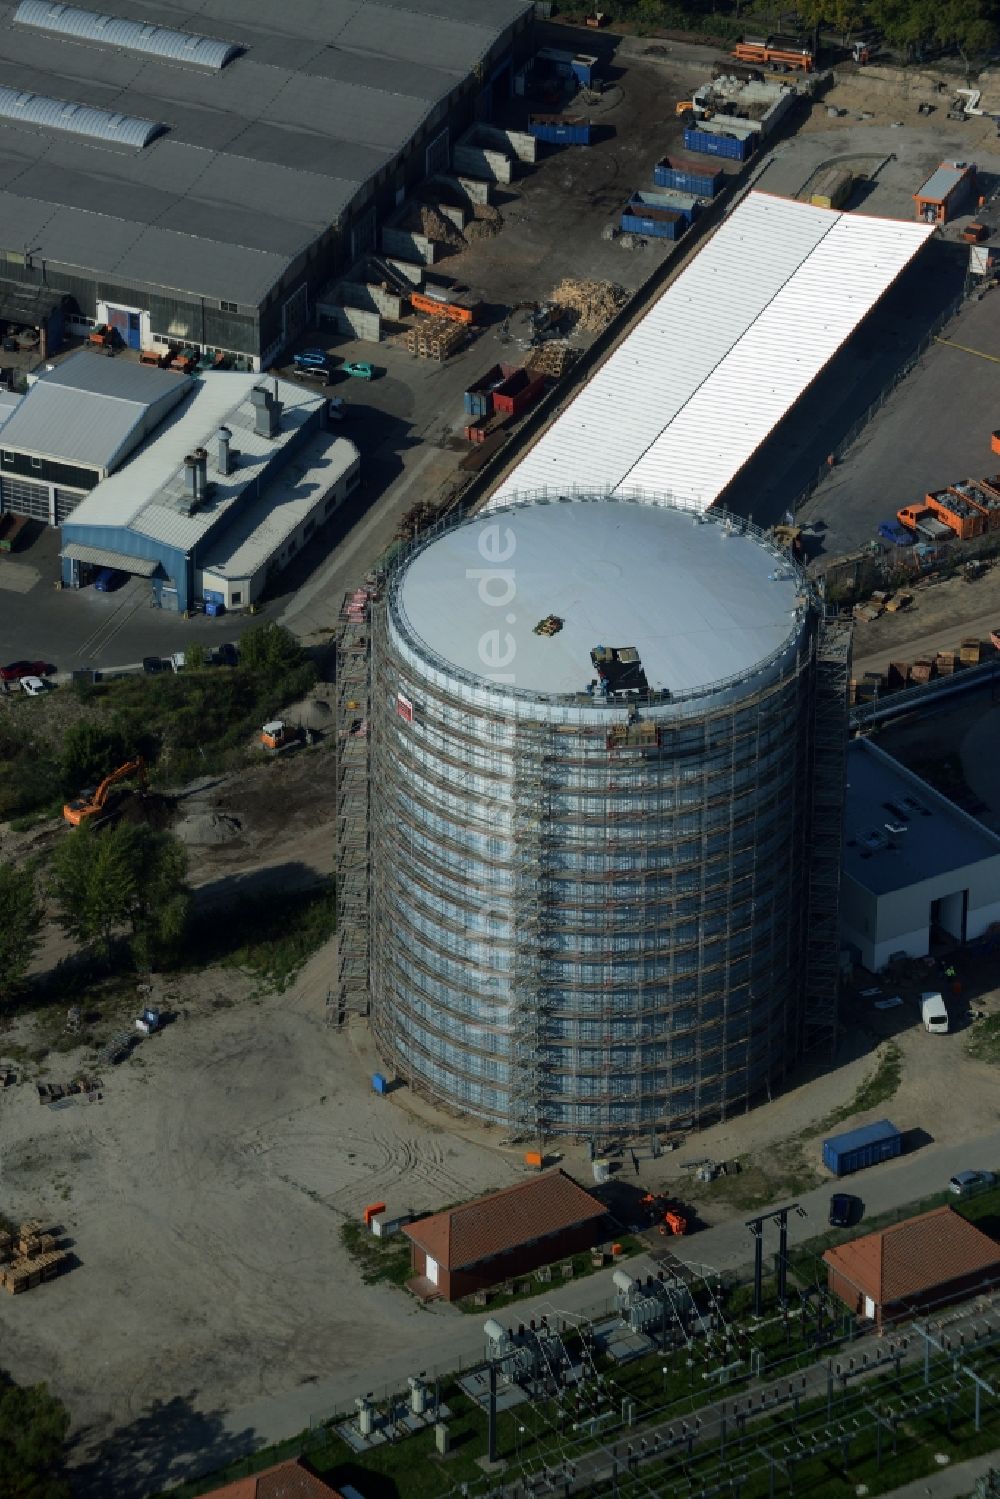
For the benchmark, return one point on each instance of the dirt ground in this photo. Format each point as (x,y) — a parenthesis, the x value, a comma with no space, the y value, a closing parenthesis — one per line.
(203,1196)
(942,614)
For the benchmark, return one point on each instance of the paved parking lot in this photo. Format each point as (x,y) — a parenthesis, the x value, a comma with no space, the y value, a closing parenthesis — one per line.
(933,429)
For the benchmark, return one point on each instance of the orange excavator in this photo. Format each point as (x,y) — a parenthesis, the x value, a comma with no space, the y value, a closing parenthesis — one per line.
(90,803)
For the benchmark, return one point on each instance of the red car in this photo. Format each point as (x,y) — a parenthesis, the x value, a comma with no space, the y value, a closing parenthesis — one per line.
(18,669)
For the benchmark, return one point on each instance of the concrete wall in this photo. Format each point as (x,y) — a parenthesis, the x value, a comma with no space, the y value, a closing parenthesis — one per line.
(477,162)
(356,322)
(411,270)
(512,142)
(370,298)
(473,188)
(406,243)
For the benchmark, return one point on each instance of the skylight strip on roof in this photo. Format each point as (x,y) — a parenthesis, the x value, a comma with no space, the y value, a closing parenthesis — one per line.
(79,119)
(136,36)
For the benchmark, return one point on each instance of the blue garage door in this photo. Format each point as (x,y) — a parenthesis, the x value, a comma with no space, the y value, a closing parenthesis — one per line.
(126,324)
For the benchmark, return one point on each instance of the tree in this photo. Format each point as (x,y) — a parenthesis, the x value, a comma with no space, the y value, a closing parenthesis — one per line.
(89,752)
(271,649)
(123,877)
(195,657)
(33,1429)
(967,25)
(20,925)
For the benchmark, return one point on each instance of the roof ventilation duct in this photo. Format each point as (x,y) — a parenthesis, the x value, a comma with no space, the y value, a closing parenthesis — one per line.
(224,457)
(266,412)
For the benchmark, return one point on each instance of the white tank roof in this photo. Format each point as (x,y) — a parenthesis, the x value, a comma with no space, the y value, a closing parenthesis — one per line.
(700,603)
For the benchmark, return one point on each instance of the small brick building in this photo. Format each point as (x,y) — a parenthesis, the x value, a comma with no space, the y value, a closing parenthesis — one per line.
(504,1234)
(290,1480)
(922,1262)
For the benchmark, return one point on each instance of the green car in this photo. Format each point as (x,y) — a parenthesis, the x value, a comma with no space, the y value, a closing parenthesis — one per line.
(359,369)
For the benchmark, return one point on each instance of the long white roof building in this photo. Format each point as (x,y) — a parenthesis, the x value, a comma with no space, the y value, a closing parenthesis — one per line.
(687,398)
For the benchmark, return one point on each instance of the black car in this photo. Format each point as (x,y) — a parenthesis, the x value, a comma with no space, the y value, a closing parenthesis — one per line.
(152,664)
(843,1210)
(227,655)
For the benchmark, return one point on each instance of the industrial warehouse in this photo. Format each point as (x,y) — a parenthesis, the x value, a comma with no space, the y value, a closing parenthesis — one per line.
(195,173)
(204,486)
(778,289)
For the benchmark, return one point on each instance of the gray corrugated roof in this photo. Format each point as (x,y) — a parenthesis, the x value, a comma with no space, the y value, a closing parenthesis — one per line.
(85,410)
(934,836)
(112,31)
(941,182)
(324,96)
(121,379)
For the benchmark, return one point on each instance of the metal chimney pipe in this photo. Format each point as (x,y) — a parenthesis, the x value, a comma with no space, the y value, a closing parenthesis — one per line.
(191,476)
(201,472)
(223,457)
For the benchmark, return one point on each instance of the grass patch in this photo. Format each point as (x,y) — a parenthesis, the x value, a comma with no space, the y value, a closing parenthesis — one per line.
(270,938)
(381,1261)
(984,1039)
(878,1087)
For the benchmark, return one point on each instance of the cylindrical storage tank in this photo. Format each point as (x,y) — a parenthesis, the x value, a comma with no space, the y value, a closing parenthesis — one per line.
(590,762)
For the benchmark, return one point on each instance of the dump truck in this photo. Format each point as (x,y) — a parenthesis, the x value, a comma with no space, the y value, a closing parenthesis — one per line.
(93,801)
(924,522)
(782,54)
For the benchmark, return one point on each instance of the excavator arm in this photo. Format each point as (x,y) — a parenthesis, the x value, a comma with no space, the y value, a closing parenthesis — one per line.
(78,811)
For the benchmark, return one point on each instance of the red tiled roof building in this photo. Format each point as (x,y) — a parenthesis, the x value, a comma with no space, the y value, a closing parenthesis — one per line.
(503,1234)
(922,1262)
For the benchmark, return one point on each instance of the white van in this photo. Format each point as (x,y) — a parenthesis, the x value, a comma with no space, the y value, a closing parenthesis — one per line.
(934,1013)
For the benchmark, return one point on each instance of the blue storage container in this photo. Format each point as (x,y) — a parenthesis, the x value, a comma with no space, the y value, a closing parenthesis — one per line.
(733,147)
(662,225)
(213,596)
(688,177)
(862,1147)
(212,608)
(379,1083)
(671,202)
(557,132)
(582,68)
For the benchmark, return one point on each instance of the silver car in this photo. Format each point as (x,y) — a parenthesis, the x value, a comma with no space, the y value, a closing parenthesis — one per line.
(970,1183)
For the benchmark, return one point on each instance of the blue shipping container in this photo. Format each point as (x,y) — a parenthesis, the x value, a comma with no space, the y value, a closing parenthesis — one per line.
(862,1147)
(561,132)
(686,177)
(733,147)
(681,203)
(664,226)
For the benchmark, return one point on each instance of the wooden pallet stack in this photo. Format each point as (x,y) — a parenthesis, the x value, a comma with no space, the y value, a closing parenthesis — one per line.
(552,359)
(434,338)
(29,1257)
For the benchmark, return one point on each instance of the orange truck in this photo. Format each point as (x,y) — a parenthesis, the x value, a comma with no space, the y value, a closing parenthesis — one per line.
(782,54)
(964,518)
(924,522)
(459,312)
